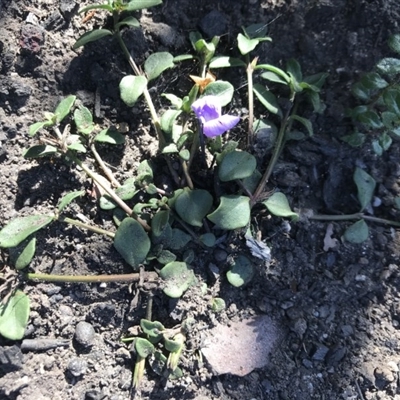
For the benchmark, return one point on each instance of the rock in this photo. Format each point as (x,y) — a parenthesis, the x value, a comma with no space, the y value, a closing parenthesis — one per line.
(77,367)
(214,24)
(84,334)
(242,346)
(32,38)
(11,359)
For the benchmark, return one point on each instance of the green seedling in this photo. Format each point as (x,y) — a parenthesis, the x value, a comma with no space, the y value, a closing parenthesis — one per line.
(378,92)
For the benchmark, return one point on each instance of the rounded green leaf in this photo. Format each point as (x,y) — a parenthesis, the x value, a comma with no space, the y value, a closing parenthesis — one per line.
(365,186)
(20,228)
(233,212)
(40,150)
(225,62)
(132,242)
(357,233)
(64,107)
(110,136)
(208,239)
(14,316)
(218,304)
(91,36)
(278,205)
(131,88)
(157,63)
(236,165)
(245,44)
(241,272)
(68,198)
(389,66)
(143,347)
(193,205)
(128,21)
(222,89)
(394,42)
(178,277)
(153,329)
(21,256)
(267,99)
(134,5)
(84,120)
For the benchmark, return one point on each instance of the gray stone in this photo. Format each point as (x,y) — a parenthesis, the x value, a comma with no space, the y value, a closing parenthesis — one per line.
(84,334)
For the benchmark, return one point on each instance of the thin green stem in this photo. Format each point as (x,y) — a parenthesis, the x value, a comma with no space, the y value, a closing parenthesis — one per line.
(149,276)
(95,229)
(346,217)
(250,94)
(103,166)
(187,174)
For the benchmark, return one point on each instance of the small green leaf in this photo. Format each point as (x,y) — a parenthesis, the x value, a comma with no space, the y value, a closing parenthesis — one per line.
(168,120)
(306,123)
(226,62)
(236,165)
(157,63)
(36,127)
(241,272)
(294,70)
(317,80)
(394,42)
(107,7)
(391,99)
(179,239)
(256,31)
(267,99)
(20,228)
(131,88)
(278,205)
(134,5)
(275,70)
(110,136)
(128,21)
(143,347)
(91,36)
(84,120)
(14,316)
(184,154)
(208,239)
(356,139)
(21,255)
(232,213)
(144,173)
(245,44)
(371,119)
(222,89)
(218,304)
(77,146)
(68,198)
(193,205)
(159,222)
(132,242)
(64,107)
(183,57)
(357,233)
(273,77)
(365,187)
(373,81)
(389,66)
(178,277)
(154,329)
(174,100)
(361,92)
(40,150)
(397,202)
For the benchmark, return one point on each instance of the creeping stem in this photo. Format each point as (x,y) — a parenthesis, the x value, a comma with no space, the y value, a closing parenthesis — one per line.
(347,217)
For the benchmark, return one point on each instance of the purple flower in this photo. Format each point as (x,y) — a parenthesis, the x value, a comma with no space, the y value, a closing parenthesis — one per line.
(208,111)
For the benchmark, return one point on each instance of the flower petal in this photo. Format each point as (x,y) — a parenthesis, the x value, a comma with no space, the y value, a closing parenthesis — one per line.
(217,127)
(207,108)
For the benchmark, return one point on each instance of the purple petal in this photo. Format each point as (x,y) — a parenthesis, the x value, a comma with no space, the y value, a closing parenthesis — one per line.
(207,108)
(217,127)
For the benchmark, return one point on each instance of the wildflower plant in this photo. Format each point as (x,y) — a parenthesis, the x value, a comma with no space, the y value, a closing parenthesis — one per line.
(154,227)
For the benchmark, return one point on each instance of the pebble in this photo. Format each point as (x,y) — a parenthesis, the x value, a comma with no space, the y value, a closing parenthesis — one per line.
(84,334)
(77,367)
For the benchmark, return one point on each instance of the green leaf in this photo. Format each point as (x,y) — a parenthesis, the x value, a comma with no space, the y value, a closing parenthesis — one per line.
(107,7)
(134,5)
(21,255)
(14,316)
(397,202)
(241,272)
(168,120)
(236,165)
(40,150)
(389,66)
(84,120)
(64,107)
(232,213)
(184,154)
(68,198)
(226,62)
(357,233)
(174,100)
(157,63)
(294,70)
(317,80)
(193,205)
(128,21)
(208,239)
(365,187)
(131,88)
(36,127)
(275,70)
(256,31)
(178,277)
(218,304)
(394,42)
(153,329)
(222,89)
(391,99)
(20,228)
(273,77)
(77,146)
(179,239)
(371,119)
(159,222)
(361,92)
(110,136)
(144,173)
(143,347)
(132,242)
(390,119)
(306,123)
(183,57)
(356,139)
(278,205)
(373,81)
(245,44)
(91,36)
(267,99)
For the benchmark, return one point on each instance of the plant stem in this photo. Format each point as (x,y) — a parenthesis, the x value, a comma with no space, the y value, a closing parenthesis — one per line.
(111,193)
(187,174)
(87,226)
(346,217)
(149,276)
(250,94)
(149,101)
(103,166)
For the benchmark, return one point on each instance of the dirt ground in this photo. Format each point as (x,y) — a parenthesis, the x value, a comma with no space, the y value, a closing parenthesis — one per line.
(336,311)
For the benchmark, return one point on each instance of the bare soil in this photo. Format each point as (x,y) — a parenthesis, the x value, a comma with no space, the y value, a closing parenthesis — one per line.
(337,310)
